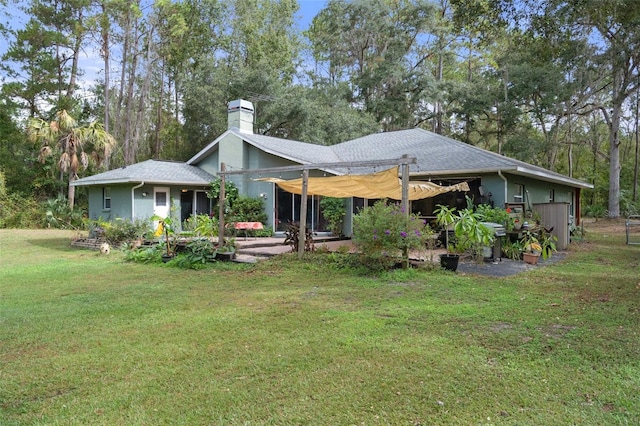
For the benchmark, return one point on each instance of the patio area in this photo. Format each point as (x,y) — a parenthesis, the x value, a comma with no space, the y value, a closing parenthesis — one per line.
(255,249)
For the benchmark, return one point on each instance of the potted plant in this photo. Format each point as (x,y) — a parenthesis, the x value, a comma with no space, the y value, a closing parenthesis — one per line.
(226,251)
(548,245)
(445,217)
(531,247)
(471,234)
(538,242)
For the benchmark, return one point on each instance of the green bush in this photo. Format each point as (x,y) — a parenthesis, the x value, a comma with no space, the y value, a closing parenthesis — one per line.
(59,215)
(148,254)
(202,225)
(486,213)
(120,231)
(231,193)
(595,211)
(333,210)
(384,234)
(247,209)
(199,251)
(267,231)
(17,211)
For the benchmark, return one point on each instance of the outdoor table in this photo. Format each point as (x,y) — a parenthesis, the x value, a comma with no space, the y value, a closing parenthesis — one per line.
(246,226)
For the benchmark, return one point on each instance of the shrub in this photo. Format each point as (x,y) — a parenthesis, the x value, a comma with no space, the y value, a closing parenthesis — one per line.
(149,254)
(267,231)
(231,193)
(120,231)
(202,225)
(384,234)
(198,253)
(333,210)
(247,209)
(486,213)
(59,215)
(17,211)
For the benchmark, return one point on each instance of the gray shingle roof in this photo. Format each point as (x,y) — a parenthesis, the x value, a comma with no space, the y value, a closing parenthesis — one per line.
(436,155)
(151,171)
(298,152)
(440,156)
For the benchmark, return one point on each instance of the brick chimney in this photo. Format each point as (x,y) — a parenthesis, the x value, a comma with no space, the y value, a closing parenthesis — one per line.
(240,115)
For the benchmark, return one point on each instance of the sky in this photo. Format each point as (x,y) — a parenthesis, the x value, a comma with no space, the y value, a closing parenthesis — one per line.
(309,9)
(12,17)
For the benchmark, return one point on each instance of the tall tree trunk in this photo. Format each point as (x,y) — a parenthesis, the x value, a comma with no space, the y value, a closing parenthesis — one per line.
(74,60)
(107,83)
(157,142)
(438,106)
(570,150)
(614,161)
(635,165)
(126,46)
(140,124)
(129,112)
(72,191)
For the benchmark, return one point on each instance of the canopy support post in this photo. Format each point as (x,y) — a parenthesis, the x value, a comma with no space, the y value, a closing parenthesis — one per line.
(405,185)
(303,213)
(405,205)
(221,202)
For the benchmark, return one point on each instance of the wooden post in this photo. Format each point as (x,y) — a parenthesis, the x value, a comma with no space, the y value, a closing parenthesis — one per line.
(405,204)
(303,213)
(405,185)
(221,202)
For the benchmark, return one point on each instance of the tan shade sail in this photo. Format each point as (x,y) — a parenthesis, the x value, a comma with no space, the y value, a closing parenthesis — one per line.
(384,184)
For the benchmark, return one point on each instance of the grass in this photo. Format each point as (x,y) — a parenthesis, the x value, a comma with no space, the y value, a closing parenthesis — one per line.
(90,339)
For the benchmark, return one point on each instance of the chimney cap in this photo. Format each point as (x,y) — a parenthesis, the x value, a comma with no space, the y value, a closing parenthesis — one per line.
(240,105)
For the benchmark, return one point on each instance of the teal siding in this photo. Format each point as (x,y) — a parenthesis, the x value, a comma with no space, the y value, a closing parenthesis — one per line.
(95,204)
(210,164)
(538,191)
(120,203)
(257,159)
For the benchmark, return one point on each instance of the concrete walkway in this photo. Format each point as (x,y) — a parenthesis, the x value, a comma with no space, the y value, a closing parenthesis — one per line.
(251,250)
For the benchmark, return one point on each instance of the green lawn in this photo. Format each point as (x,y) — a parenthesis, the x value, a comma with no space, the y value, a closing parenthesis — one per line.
(89,339)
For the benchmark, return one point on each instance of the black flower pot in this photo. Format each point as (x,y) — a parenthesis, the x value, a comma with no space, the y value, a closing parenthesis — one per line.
(226,256)
(449,261)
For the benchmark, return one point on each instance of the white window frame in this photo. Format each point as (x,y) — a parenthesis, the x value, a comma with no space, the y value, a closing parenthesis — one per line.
(518,195)
(106,198)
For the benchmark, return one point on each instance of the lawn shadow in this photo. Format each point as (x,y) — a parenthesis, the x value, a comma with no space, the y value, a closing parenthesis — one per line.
(506,267)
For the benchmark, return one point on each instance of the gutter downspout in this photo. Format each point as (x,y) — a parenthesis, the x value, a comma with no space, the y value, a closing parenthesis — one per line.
(505,185)
(133,201)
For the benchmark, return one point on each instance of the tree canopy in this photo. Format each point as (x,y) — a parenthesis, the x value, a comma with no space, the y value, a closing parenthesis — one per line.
(552,83)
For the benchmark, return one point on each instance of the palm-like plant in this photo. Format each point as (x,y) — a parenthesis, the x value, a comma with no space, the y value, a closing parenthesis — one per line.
(64,137)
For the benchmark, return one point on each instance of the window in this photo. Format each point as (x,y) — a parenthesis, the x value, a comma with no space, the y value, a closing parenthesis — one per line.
(106,198)
(552,195)
(518,195)
(161,199)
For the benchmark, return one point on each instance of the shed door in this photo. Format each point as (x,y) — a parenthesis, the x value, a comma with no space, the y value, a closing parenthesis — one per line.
(161,203)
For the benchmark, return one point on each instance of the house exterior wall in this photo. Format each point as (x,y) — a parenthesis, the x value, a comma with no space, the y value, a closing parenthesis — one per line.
(210,164)
(257,159)
(120,202)
(538,191)
(494,184)
(231,151)
(534,191)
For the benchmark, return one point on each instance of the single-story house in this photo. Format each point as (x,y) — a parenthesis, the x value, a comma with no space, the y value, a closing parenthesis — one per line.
(153,187)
